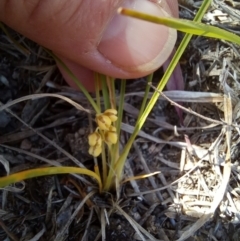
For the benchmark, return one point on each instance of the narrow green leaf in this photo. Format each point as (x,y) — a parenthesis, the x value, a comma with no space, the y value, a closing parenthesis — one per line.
(186,26)
(97,90)
(145,98)
(38,172)
(105,94)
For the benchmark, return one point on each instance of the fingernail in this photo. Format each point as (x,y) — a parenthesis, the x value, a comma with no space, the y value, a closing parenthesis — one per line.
(136,44)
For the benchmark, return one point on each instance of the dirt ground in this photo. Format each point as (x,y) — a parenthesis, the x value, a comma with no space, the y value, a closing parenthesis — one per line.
(196,192)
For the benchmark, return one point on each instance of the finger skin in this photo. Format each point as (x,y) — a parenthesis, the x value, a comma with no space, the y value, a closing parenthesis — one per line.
(65,27)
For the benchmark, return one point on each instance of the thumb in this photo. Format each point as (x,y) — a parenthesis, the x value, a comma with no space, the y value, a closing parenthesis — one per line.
(92,35)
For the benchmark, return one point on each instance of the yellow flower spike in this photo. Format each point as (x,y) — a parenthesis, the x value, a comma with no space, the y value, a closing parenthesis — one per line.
(94,139)
(95,150)
(112,128)
(111,136)
(103,122)
(112,114)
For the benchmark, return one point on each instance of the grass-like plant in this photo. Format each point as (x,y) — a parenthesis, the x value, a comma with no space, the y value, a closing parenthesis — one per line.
(104,141)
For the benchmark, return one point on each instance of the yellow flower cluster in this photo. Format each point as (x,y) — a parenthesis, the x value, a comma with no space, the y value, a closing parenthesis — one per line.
(105,132)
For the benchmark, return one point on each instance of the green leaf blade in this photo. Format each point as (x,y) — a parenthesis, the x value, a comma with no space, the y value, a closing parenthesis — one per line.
(186,26)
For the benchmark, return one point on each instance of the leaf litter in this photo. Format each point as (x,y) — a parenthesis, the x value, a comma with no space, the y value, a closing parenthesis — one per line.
(195,195)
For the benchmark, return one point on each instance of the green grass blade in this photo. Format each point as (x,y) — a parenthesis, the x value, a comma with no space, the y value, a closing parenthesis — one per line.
(186,26)
(97,90)
(119,120)
(105,93)
(104,163)
(145,98)
(121,105)
(38,172)
(112,92)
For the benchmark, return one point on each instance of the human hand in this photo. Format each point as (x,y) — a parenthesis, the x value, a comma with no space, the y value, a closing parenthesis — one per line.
(89,35)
